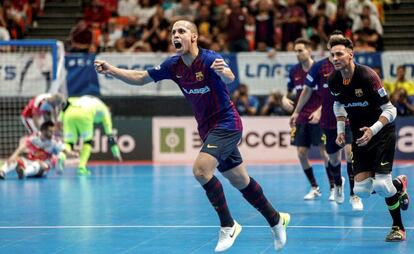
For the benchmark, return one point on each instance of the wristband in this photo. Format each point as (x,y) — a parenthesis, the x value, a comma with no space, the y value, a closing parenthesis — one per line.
(376,127)
(340,127)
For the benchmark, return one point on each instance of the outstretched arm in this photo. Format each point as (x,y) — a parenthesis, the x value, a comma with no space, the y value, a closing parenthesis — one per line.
(132,77)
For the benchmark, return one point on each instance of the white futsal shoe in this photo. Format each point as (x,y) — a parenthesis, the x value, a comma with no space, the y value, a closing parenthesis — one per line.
(227,236)
(314,193)
(279,231)
(331,194)
(339,192)
(356,203)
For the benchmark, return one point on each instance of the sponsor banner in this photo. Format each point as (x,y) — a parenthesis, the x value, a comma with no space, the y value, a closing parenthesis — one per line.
(263,74)
(405,138)
(25,74)
(133,137)
(265,139)
(392,59)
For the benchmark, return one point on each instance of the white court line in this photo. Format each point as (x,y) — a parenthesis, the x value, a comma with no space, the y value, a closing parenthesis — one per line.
(176,226)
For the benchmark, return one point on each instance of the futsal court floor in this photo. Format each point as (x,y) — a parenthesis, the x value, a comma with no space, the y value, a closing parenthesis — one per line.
(162,209)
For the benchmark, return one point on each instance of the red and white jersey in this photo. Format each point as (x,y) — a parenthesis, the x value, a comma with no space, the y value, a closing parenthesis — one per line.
(39,149)
(39,105)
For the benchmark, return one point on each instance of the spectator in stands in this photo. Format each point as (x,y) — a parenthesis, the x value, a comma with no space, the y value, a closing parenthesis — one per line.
(342,21)
(110,35)
(156,32)
(293,21)
(13,19)
(96,14)
(363,46)
(403,103)
(4,33)
(329,11)
(375,23)
(273,105)
(144,11)
(126,7)
(133,39)
(400,82)
(354,8)
(265,26)
(205,24)
(245,104)
(320,27)
(111,6)
(81,38)
(368,35)
(184,10)
(233,22)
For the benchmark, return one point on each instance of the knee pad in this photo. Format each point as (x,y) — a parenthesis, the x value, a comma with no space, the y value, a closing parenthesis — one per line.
(364,188)
(383,185)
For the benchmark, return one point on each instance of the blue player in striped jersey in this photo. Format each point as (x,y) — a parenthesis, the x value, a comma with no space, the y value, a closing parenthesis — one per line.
(202,76)
(318,77)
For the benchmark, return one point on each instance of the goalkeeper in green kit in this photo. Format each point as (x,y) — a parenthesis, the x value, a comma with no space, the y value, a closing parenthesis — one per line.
(78,118)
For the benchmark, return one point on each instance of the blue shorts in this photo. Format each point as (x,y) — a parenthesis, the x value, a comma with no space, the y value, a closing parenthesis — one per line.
(222,145)
(305,135)
(330,136)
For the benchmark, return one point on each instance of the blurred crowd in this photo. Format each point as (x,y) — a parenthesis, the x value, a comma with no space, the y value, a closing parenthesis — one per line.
(224,25)
(232,25)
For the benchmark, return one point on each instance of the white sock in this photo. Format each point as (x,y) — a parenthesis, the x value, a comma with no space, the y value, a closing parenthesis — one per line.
(7,167)
(32,169)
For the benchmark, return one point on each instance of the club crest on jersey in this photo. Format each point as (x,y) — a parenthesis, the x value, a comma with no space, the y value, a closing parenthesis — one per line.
(358,92)
(199,76)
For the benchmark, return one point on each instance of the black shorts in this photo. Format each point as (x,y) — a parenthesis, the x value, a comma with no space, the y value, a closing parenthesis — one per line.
(378,155)
(330,137)
(306,135)
(222,144)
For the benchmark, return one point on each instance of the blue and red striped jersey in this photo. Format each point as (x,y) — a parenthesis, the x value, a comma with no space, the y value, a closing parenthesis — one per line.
(317,78)
(296,81)
(204,90)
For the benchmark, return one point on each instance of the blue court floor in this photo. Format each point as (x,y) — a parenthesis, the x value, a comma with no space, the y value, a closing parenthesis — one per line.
(162,209)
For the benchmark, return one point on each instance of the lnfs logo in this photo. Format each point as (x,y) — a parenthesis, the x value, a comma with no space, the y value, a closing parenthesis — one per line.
(172,140)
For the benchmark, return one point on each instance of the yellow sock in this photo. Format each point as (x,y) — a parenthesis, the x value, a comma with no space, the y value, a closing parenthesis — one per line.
(84,155)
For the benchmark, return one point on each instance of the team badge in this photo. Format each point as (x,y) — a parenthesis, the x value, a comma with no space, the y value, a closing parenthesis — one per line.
(199,76)
(358,92)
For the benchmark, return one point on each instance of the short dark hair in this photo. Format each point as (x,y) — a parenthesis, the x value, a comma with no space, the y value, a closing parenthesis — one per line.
(46,125)
(336,32)
(304,41)
(334,41)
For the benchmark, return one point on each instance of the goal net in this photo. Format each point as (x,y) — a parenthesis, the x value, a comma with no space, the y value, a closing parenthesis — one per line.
(27,68)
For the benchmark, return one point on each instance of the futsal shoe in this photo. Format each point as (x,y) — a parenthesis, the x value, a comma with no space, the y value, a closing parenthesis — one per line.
(314,193)
(331,194)
(356,203)
(279,231)
(83,171)
(339,192)
(227,236)
(404,198)
(2,175)
(395,235)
